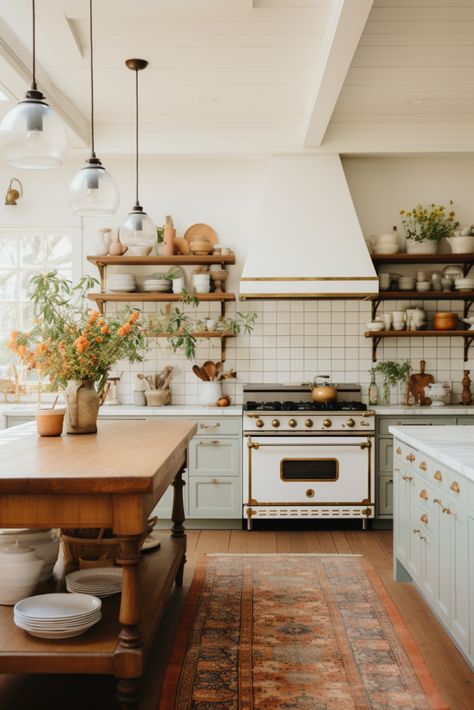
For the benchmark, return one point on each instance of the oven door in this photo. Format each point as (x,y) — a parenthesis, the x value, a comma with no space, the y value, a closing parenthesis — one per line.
(298,471)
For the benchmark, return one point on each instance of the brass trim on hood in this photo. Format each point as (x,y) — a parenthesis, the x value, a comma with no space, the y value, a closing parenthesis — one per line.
(309,278)
(305,296)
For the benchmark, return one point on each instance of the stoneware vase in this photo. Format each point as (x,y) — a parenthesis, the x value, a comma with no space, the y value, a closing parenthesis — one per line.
(82,407)
(429,246)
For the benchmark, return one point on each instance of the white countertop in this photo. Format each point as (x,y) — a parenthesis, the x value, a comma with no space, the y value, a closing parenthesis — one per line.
(448,409)
(450,445)
(129,410)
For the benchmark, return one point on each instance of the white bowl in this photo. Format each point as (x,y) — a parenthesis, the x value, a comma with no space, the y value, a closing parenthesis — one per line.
(139,250)
(375,326)
(423,286)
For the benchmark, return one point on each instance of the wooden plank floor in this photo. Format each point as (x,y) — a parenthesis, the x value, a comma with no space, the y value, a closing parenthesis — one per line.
(453,677)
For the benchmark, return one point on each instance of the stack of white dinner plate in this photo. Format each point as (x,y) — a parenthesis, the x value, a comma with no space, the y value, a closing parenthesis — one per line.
(158,285)
(99,581)
(57,616)
(117,283)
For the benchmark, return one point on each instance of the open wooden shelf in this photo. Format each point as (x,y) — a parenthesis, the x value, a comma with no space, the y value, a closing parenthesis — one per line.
(140,296)
(404,258)
(424,296)
(96,650)
(197,334)
(177,260)
(376,337)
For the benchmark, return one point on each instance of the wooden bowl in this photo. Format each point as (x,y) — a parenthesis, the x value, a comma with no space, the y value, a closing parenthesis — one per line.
(445,320)
(202,247)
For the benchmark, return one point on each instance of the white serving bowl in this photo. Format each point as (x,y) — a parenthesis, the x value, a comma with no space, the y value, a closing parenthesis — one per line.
(45,543)
(139,249)
(423,286)
(375,326)
(20,570)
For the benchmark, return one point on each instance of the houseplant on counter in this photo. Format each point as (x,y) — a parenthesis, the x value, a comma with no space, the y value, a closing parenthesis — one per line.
(394,373)
(425,227)
(75,346)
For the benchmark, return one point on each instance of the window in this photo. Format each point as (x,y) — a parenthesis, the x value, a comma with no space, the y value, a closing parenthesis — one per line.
(24,253)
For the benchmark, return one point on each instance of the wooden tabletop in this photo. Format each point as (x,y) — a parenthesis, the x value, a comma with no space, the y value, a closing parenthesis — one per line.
(123,457)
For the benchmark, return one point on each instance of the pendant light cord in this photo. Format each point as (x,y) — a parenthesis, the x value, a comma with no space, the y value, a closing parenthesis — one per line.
(92,81)
(136,138)
(33,73)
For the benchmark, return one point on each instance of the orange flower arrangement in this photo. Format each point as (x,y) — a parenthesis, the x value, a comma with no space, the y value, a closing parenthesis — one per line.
(70,341)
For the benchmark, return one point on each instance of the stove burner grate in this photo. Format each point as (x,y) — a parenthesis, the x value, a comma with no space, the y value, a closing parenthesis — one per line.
(289,406)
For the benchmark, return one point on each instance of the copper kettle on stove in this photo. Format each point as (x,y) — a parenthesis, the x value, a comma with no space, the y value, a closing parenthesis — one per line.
(323,392)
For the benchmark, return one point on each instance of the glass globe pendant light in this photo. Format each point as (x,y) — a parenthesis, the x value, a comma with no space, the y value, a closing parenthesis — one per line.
(93,191)
(138,228)
(31,135)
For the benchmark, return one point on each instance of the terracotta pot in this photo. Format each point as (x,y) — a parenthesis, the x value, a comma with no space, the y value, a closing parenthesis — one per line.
(82,407)
(49,422)
(445,321)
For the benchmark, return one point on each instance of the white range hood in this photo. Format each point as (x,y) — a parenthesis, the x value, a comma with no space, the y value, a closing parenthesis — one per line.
(307,241)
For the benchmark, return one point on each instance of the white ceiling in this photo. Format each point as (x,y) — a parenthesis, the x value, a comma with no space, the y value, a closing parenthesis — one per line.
(243,76)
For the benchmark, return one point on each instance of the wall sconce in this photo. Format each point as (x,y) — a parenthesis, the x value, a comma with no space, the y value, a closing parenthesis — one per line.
(12,195)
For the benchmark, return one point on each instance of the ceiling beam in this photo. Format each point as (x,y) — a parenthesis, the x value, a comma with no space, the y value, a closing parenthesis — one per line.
(346,22)
(15,70)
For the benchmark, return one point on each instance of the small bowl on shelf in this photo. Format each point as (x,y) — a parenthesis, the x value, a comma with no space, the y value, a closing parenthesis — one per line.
(423,286)
(139,249)
(445,320)
(464,284)
(375,326)
(201,247)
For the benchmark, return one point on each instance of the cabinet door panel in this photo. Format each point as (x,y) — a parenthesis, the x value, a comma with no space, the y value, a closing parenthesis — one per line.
(214,456)
(459,575)
(444,552)
(401,515)
(385,495)
(385,456)
(215,497)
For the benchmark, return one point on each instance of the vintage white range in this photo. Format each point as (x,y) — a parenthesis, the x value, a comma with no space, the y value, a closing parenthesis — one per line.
(307,460)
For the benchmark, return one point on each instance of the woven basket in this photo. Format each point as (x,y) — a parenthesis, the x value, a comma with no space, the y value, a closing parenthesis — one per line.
(97,548)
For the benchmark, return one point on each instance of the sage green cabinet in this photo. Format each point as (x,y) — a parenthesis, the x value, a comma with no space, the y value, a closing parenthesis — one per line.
(385,496)
(218,497)
(208,456)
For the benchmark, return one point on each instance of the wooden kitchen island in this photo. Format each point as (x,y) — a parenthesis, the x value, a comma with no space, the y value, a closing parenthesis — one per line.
(110,479)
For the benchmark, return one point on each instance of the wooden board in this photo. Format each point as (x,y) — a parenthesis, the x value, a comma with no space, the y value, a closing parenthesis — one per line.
(418,382)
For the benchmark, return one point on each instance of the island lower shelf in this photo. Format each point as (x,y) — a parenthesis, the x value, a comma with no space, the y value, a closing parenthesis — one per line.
(97,651)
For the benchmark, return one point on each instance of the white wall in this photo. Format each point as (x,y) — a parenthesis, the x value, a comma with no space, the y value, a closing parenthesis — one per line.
(292,341)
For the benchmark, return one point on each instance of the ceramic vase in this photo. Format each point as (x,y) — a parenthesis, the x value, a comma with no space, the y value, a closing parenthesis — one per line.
(82,407)
(116,248)
(429,246)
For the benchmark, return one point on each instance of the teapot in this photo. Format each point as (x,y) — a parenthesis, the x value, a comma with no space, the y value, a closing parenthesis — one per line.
(323,392)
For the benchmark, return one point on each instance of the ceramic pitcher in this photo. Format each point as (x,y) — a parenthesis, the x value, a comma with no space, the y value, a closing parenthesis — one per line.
(82,407)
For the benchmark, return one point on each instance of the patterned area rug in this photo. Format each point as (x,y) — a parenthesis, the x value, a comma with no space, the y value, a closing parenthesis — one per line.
(299,632)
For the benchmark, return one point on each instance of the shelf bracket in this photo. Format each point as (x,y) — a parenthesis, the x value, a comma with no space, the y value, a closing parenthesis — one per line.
(375,342)
(466,267)
(467,307)
(375,304)
(102,269)
(468,340)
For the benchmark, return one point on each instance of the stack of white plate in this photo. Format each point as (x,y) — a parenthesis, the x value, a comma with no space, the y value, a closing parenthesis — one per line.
(157,285)
(117,283)
(466,284)
(99,581)
(57,616)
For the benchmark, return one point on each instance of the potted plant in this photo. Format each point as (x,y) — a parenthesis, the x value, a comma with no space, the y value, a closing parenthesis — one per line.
(76,346)
(394,373)
(425,227)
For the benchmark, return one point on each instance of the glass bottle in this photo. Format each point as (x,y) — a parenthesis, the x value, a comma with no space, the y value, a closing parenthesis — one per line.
(373,390)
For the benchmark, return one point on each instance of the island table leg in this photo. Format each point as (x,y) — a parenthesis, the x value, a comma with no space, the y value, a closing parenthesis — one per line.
(178,517)
(129,654)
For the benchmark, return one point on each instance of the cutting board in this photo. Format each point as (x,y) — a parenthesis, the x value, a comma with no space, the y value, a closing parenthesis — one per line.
(418,382)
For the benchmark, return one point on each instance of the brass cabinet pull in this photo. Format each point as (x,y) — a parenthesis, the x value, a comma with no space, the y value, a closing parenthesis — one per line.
(437,501)
(215,481)
(438,476)
(423,466)
(407,478)
(210,426)
(411,457)
(424,519)
(447,511)
(424,494)
(455,487)
(398,450)
(212,442)
(416,531)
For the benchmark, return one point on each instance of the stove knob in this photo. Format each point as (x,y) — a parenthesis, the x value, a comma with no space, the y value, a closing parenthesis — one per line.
(292,423)
(275,423)
(308,423)
(350,423)
(259,423)
(327,423)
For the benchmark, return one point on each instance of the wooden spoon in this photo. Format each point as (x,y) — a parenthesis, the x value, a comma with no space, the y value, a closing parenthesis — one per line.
(210,368)
(201,373)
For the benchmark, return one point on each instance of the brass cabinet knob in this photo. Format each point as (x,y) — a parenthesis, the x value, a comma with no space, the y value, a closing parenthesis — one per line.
(424,519)
(423,466)
(327,423)
(398,451)
(438,476)
(259,423)
(455,487)
(424,494)
(292,423)
(308,423)
(350,423)
(275,423)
